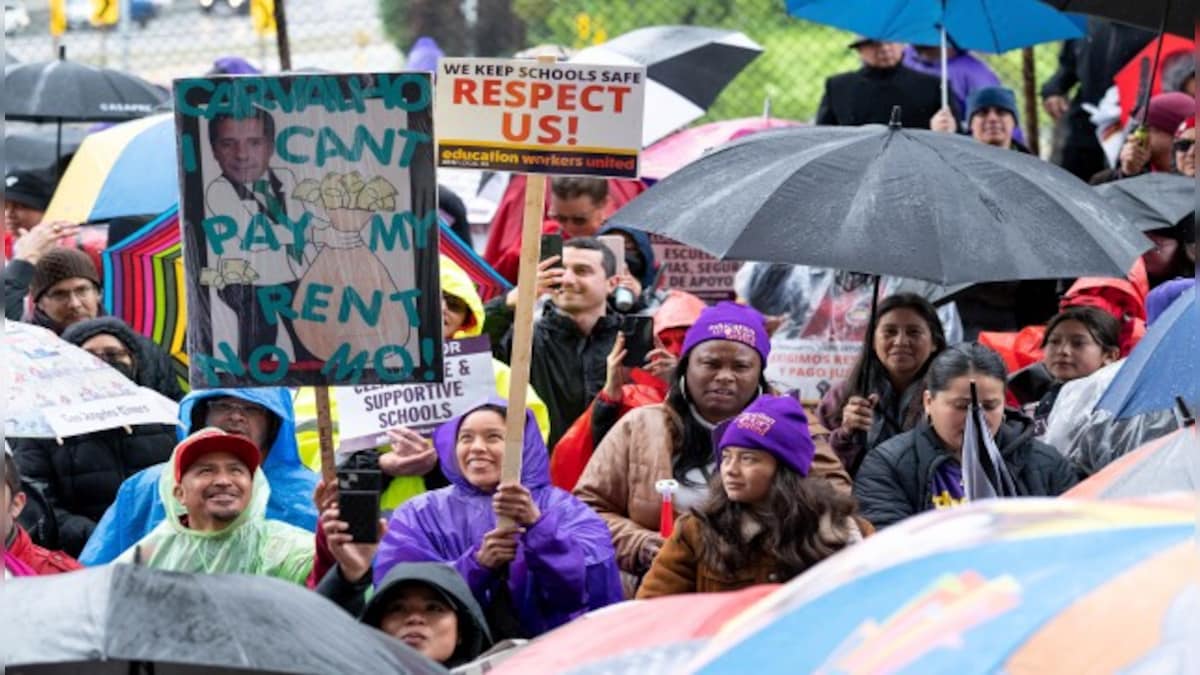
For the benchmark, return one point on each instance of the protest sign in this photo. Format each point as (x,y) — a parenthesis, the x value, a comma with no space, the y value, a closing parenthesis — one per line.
(366,412)
(689,269)
(811,367)
(310,231)
(537,117)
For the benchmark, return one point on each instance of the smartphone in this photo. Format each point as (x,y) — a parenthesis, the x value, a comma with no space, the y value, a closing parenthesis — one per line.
(552,246)
(358,502)
(639,339)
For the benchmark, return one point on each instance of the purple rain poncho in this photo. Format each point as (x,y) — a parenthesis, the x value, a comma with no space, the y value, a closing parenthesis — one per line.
(565,564)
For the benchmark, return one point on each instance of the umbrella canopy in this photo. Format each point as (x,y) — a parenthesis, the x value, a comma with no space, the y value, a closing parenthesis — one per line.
(1010,585)
(1167,464)
(889,201)
(122,616)
(1162,366)
(669,627)
(143,284)
(126,170)
(54,389)
(1144,13)
(687,67)
(986,25)
(68,91)
(677,150)
(36,148)
(1154,200)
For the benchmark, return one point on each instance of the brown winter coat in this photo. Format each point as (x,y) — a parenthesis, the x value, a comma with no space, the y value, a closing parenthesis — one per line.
(619,480)
(678,568)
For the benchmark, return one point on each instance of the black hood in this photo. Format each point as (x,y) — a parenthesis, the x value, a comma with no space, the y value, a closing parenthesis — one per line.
(154,368)
(473,634)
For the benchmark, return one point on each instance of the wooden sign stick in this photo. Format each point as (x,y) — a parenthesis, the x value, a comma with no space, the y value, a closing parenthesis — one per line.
(325,436)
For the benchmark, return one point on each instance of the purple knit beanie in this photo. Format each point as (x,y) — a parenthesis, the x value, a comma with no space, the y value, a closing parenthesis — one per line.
(773,424)
(733,322)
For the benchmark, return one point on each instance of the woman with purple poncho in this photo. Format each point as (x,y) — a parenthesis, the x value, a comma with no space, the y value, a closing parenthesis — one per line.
(555,564)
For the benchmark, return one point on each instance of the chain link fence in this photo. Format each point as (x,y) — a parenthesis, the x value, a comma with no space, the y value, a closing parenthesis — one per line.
(184,37)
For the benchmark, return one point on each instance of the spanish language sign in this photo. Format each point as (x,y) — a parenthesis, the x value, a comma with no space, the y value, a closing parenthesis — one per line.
(365,413)
(555,118)
(310,231)
(689,269)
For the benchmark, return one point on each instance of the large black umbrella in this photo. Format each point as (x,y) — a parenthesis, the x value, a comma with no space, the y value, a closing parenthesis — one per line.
(69,91)
(127,618)
(687,68)
(1175,16)
(884,200)
(1152,201)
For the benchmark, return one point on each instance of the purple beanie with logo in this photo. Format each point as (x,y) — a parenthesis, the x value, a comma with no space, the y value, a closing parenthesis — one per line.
(733,322)
(776,425)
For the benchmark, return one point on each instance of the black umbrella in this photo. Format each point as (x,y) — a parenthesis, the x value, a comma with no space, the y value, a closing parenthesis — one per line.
(36,148)
(69,91)
(889,201)
(1152,201)
(688,67)
(127,618)
(1173,16)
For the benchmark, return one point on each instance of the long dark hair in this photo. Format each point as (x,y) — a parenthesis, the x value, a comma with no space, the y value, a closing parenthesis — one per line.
(898,301)
(803,521)
(692,442)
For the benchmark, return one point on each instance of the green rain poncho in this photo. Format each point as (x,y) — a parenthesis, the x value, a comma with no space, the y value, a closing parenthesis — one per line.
(250,545)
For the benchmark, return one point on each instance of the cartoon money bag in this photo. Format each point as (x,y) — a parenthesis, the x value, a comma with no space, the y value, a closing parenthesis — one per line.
(359,313)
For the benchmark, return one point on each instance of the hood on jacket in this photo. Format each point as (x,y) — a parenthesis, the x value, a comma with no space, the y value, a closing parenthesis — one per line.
(650,273)
(153,368)
(535,461)
(679,310)
(283,451)
(473,633)
(256,507)
(456,282)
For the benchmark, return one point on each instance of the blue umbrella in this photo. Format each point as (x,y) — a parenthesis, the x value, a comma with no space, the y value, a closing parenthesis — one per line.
(984,25)
(1162,366)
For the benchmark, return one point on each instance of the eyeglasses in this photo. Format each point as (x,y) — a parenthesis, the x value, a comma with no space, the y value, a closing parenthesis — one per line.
(83,291)
(110,355)
(227,408)
(578,221)
(1183,144)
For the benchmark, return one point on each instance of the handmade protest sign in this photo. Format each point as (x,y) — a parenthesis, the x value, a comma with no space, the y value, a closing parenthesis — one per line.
(538,117)
(689,269)
(310,229)
(366,413)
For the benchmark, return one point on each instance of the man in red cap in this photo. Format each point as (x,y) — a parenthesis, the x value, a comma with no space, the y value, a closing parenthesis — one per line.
(216,521)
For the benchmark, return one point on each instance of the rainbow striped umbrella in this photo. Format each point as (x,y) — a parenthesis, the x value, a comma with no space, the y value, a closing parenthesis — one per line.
(143,284)
(998,586)
(125,170)
(487,280)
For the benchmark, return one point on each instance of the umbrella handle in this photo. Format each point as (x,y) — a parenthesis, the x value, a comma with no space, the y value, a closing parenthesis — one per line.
(945,65)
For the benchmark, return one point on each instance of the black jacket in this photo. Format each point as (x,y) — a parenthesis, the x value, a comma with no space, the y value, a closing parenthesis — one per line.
(1091,62)
(896,477)
(80,478)
(18,274)
(154,367)
(866,96)
(568,368)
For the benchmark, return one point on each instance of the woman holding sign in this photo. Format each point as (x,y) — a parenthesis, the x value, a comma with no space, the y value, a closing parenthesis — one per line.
(556,563)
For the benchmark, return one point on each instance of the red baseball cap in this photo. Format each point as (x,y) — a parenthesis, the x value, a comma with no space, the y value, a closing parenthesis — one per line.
(212,439)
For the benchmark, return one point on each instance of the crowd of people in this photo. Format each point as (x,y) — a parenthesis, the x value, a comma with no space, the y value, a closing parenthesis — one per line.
(692,472)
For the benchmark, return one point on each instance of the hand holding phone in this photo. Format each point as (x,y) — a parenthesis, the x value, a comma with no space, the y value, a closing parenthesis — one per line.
(358,502)
(639,339)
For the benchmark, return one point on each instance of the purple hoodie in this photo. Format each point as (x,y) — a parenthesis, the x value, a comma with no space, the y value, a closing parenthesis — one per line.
(565,564)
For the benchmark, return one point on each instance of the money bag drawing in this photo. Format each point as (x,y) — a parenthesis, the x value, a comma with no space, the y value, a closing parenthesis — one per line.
(349,202)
